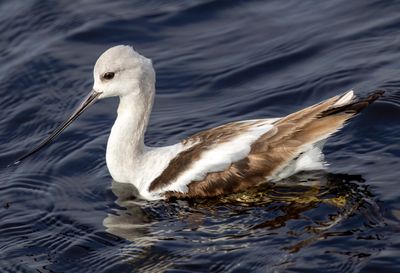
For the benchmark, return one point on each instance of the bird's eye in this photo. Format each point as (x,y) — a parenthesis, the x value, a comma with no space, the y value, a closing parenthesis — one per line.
(108,75)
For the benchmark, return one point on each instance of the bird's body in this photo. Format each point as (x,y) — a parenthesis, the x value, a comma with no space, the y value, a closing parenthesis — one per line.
(221,160)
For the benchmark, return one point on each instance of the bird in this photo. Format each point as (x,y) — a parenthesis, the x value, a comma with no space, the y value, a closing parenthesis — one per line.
(219,161)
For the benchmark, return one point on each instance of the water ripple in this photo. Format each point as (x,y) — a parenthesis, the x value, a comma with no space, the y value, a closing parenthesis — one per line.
(216,61)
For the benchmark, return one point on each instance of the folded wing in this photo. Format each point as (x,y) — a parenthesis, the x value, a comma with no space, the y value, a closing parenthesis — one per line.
(238,155)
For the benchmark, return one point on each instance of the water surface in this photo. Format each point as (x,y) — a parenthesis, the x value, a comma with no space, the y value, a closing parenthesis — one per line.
(216,61)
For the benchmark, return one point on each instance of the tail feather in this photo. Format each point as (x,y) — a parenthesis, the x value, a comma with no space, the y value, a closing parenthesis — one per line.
(306,128)
(353,107)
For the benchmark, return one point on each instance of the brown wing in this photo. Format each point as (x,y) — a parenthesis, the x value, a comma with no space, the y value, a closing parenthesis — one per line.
(199,143)
(270,153)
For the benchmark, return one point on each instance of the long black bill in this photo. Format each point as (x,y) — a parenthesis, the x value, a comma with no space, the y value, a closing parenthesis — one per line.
(89,100)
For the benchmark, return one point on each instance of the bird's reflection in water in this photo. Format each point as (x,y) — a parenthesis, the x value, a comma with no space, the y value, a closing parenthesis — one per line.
(306,207)
(130,221)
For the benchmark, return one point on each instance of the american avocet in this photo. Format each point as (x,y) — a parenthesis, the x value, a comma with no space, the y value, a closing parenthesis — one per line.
(218,161)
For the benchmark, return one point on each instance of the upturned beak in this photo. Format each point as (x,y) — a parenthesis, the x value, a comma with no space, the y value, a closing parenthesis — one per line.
(86,102)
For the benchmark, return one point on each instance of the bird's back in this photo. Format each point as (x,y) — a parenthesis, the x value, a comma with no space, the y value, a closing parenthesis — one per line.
(238,155)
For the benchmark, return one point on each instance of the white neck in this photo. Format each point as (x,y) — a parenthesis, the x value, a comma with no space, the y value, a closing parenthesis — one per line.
(125,145)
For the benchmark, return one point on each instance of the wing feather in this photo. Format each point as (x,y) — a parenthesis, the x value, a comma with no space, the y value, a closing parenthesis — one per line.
(261,158)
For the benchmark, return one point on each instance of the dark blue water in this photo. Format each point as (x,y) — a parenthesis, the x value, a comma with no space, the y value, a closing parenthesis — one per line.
(216,61)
